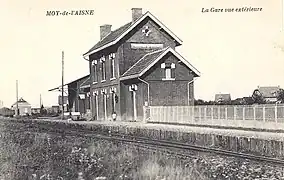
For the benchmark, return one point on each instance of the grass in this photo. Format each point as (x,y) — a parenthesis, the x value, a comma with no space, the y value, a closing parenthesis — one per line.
(29,154)
(34,154)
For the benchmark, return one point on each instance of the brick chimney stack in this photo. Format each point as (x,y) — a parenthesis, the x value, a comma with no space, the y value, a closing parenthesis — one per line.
(136,14)
(105,30)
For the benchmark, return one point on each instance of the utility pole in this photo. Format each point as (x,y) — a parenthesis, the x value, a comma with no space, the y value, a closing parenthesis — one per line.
(39,100)
(62,83)
(17,105)
(282,16)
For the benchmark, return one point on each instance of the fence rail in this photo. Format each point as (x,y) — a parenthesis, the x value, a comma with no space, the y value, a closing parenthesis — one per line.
(253,116)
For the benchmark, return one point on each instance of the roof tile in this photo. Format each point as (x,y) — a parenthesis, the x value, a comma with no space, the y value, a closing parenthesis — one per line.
(144,62)
(222,97)
(269,91)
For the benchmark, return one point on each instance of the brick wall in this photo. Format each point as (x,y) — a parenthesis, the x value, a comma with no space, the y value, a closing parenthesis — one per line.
(125,58)
(126,102)
(170,92)
(131,56)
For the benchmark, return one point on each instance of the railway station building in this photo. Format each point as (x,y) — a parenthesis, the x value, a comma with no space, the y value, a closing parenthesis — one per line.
(137,65)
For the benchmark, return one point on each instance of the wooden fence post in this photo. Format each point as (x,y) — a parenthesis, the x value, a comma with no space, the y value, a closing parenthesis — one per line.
(219,112)
(235,112)
(199,113)
(244,112)
(263,113)
(275,113)
(212,117)
(254,118)
(205,115)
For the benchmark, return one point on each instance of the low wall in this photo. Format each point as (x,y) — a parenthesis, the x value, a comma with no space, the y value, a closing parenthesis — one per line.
(267,147)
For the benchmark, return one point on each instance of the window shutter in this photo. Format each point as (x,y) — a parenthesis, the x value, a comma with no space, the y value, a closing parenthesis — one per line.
(173,73)
(173,68)
(163,73)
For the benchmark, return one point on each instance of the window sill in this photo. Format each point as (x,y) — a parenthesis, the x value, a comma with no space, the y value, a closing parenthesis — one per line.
(113,78)
(171,79)
(103,81)
(95,82)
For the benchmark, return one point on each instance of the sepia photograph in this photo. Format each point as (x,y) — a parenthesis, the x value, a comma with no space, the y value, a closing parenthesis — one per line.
(142,90)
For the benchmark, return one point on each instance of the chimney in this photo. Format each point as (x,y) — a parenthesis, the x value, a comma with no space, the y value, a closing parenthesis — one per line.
(136,13)
(105,30)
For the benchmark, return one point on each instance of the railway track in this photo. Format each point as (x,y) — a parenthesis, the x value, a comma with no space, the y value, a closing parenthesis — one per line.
(176,148)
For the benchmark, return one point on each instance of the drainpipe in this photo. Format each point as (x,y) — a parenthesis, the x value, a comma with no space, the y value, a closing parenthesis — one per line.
(148,90)
(188,89)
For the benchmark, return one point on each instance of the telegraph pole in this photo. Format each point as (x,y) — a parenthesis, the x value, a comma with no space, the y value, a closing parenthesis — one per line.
(17,98)
(282,16)
(62,84)
(39,100)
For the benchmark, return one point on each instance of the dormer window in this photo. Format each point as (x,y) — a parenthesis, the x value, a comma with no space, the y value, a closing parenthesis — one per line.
(95,68)
(103,70)
(169,71)
(112,65)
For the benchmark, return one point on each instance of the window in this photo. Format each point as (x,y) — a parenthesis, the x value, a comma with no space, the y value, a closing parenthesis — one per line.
(103,68)
(169,71)
(112,65)
(95,94)
(146,31)
(113,98)
(95,68)
(104,94)
(88,101)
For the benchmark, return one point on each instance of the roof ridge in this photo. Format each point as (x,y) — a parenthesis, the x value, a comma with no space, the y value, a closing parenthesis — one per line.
(143,58)
(123,32)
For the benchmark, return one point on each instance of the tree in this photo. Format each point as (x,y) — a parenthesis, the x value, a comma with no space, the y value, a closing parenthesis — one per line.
(43,111)
(257,97)
(198,102)
(280,95)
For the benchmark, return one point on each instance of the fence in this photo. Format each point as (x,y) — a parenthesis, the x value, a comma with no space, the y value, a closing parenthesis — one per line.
(253,116)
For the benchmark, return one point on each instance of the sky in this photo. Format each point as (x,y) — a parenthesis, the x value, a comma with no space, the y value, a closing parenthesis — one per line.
(235,52)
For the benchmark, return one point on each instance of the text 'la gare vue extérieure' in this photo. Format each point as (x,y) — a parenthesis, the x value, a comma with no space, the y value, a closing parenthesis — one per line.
(242,9)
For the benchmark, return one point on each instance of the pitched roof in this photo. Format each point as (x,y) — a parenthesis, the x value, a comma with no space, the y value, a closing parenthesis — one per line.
(79,79)
(86,83)
(118,34)
(21,100)
(222,97)
(268,91)
(142,63)
(150,59)
(5,109)
(111,37)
